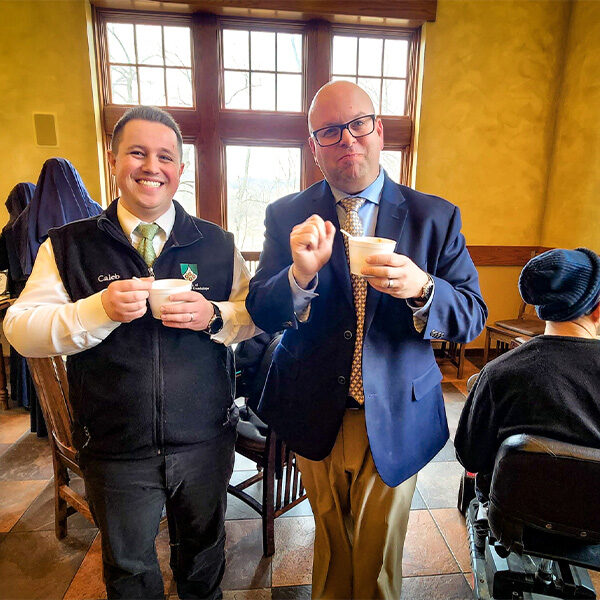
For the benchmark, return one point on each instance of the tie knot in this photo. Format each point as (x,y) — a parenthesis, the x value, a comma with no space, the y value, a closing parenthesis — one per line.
(352,203)
(147,230)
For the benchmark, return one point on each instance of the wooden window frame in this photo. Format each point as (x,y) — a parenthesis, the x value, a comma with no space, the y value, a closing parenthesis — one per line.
(210,127)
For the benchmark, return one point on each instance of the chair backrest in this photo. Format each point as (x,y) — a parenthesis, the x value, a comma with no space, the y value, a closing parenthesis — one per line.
(546,485)
(527,311)
(52,387)
(253,359)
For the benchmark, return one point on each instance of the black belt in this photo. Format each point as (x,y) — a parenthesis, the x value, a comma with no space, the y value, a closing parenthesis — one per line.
(352,404)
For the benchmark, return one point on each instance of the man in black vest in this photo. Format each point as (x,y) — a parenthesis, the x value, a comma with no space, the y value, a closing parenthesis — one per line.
(154,418)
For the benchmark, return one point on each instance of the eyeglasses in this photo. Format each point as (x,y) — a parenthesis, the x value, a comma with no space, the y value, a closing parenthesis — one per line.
(332,134)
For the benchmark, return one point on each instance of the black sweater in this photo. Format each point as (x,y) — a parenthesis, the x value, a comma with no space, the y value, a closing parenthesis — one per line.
(549,386)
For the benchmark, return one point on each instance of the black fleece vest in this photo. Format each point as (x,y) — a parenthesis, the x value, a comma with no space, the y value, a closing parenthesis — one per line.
(147,388)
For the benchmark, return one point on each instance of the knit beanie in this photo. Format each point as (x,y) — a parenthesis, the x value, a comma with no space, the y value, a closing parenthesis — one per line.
(561,284)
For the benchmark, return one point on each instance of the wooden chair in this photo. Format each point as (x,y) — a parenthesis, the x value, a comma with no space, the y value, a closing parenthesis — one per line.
(50,380)
(281,481)
(276,464)
(502,333)
(452,351)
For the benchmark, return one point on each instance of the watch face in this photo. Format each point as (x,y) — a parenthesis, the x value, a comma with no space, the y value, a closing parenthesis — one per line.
(216,325)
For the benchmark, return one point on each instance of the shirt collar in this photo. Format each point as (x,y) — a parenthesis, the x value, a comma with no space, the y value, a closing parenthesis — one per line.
(129,221)
(372,193)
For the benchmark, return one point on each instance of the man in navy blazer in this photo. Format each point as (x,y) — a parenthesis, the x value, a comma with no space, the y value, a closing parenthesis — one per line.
(359,454)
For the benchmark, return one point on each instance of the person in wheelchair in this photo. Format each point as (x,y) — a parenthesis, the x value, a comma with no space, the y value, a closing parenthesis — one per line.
(548,386)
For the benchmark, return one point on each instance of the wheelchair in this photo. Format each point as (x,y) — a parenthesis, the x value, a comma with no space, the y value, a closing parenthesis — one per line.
(541,531)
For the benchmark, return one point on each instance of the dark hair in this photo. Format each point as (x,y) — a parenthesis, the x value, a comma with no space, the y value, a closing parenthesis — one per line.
(146,113)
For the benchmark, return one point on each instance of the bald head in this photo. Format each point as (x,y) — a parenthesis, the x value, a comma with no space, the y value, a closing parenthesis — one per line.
(352,164)
(334,92)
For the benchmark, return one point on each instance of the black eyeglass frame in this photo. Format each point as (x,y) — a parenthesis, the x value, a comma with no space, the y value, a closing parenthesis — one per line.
(341,128)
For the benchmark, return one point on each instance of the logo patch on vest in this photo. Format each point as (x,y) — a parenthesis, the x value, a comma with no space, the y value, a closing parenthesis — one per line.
(189,272)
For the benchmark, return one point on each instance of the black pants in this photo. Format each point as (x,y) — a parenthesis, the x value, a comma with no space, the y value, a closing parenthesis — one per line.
(126,498)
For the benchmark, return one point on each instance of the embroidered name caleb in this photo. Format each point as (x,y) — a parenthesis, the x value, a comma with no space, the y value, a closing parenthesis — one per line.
(110,277)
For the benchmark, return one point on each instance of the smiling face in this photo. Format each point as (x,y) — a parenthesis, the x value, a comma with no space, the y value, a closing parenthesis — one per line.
(352,164)
(147,167)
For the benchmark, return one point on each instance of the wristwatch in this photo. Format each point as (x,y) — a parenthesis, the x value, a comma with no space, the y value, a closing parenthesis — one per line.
(215,324)
(427,289)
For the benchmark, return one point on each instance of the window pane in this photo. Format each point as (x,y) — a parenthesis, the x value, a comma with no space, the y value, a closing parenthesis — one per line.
(149,44)
(344,55)
(289,52)
(394,62)
(235,49)
(123,85)
(120,43)
(255,177)
(152,86)
(178,50)
(263,91)
(394,92)
(179,87)
(371,86)
(289,92)
(263,51)
(391,161)
(343,78)
(237,93)
(369,56)
(186,193)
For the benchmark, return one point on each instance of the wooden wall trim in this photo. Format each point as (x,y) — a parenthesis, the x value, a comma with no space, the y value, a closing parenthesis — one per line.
(483,256)
(503,256)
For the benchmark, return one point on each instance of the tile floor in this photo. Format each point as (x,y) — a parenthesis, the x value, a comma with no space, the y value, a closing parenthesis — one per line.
(34,564)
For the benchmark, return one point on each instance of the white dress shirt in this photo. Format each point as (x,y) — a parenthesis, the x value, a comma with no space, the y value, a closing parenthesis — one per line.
(44,321)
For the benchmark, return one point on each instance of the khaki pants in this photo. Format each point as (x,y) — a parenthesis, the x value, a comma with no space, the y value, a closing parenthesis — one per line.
(360,522)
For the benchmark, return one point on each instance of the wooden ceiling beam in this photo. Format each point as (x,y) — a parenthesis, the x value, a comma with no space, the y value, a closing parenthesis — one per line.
(394,13)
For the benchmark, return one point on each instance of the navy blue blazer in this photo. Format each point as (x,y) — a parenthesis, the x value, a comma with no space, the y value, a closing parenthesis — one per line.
(305,394)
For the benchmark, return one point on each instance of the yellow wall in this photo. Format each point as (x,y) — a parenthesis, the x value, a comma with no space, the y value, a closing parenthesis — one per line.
(487,114)
(503,137)
(45,67)
(573,206)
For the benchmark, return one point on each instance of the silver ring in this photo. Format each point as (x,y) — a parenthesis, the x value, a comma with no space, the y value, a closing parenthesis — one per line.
(389,283)
(191,317)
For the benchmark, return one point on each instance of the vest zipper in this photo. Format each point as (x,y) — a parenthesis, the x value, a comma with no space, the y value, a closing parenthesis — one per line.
(157,392)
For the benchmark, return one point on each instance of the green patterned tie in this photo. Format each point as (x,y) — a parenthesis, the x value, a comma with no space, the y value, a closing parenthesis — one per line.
(147,231)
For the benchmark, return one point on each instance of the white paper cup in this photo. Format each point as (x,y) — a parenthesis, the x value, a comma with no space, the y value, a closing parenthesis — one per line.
(162,289)
(361,247)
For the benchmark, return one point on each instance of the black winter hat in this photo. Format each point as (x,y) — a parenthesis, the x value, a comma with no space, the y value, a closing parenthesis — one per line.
(562,284)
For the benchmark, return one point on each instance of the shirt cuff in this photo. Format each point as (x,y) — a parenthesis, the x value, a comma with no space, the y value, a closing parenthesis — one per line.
(302,298)
(93,317)
(421,313)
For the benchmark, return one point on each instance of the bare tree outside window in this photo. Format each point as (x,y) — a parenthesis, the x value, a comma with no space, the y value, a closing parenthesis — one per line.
(257,175)
(150,64)
(262,70)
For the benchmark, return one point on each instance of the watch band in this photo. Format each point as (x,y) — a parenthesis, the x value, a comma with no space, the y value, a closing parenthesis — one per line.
(215,323)
(427,289)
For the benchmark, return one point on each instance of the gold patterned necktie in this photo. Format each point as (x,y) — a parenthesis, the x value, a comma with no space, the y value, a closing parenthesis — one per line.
(353,225)
(147,231)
